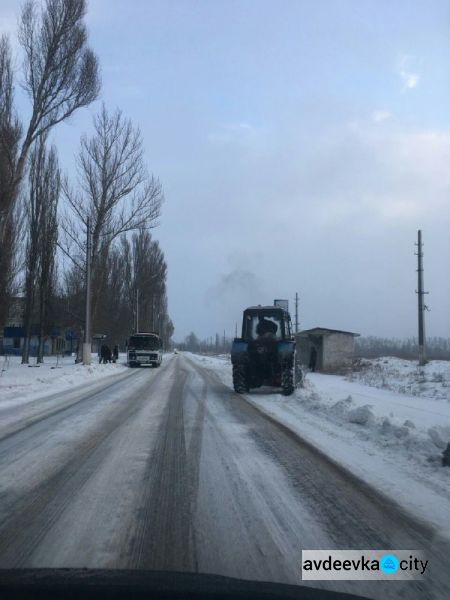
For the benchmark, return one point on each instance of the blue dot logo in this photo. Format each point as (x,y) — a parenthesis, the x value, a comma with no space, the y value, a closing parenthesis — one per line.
(389,563)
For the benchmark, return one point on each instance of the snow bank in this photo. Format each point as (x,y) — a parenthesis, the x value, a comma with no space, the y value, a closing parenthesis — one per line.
(412,429)
(361,415)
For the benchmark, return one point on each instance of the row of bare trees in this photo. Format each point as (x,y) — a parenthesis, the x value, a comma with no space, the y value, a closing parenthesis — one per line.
(44,215)
(217,344)
(438,348)
(134,268)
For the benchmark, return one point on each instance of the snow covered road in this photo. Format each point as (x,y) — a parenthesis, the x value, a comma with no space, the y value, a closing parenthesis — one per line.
(169,469)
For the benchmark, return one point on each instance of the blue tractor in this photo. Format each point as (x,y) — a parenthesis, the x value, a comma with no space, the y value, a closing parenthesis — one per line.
(265,354)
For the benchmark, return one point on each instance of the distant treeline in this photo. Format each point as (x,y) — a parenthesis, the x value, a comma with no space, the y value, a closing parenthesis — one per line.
(213,345)
(437,348)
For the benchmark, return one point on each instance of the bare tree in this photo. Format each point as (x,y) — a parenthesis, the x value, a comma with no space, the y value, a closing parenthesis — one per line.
(60,71)
(165,325)
(192,343)
(115,191)
(48,237)
(138,264)
(70,304)
(60,75)
(10,132)
(34,206)
(44,191)
(115,318)
(149,276)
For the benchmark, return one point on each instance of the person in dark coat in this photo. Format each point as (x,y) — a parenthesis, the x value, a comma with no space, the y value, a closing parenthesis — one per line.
(108,354)
(266,327)
(116,353)
(103,354)
(313,359)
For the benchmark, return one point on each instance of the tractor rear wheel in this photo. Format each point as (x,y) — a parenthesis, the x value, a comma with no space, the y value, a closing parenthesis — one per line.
(240,379)
(287,380)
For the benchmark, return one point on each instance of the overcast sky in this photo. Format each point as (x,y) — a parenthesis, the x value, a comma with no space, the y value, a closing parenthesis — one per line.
(300,144)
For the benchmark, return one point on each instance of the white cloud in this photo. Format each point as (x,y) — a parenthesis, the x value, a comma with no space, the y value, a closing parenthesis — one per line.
(409,79)
(230,132)
(381,115)
(408,72)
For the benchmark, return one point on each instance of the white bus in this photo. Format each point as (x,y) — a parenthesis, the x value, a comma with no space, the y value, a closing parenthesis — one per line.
(144,349)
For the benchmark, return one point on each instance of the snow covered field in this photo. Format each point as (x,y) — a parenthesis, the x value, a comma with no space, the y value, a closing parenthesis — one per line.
(22,383)
(387,423)
(406,377)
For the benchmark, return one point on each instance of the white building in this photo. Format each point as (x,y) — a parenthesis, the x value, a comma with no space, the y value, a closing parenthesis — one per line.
(326,349)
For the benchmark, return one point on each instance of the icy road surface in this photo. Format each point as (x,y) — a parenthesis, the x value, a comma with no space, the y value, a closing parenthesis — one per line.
(169,469)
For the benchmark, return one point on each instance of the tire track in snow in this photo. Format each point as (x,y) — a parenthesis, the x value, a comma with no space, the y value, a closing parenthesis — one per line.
(163,537)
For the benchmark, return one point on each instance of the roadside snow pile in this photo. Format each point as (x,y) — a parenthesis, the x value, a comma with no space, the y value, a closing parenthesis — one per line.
(406,377)
(440,436)
(393,441)
(361,415)
(416,427)
(21,383)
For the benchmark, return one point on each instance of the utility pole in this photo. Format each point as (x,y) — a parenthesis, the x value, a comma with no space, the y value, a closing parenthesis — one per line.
(137,310)
(158,314)
(87,329)
(296,312)
(420,297)
(153,312)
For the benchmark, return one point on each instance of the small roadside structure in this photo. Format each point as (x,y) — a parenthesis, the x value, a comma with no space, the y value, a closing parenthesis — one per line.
(323,349)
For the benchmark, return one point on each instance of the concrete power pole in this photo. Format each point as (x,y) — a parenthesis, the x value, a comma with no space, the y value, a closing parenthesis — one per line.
(296,312)
(153,312)
(87,329)
(137,310)
(421,304)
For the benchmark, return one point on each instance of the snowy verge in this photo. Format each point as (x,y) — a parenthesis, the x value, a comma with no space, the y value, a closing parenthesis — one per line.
(405,376)
(21,384)
(390,440)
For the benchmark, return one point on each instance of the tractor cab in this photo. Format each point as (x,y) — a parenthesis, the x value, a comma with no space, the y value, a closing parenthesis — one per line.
(263,322)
